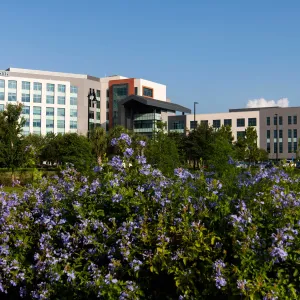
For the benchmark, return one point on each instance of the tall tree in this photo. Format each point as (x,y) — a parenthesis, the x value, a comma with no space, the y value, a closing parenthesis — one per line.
(11,138)
(98,140)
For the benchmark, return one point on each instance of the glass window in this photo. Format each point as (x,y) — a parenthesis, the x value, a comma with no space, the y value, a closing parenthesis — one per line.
(107,115)
(98,94)
(50,87)
(73,101)
(295,147)
(240,134)
(91,115)
(193,124)
(98,115)
(280,120)
(49,99)
(268,121)
(74,89)
(107,93)
(25,97)
(280,147)
(61,112)
(73,124)
(275,134)
(295,133)
(275,120)
(268,134)
(203,122)
(37,110)
(98,104)
(148,92)
(275,147)
(26,110)
(27,123)
(251,121)
(290,133)
(36,122)
(49,111)
(2,84)
(227,122)
(295,120)
(280,134)
(216,123)
(136,90)
(289,147)
(37,98)
(60,123)
(1,107)
(61,100)
(12,84)
(12,97)
(73,112)
(240,122)
(107,104)
(2,96)
(289,120)
(26,85)
(37,86)
(49,123)
(268,147)
(61,88)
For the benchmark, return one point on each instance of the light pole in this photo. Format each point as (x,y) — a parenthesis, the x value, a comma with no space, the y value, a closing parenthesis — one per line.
(277,138)
(91,100)
(195,114)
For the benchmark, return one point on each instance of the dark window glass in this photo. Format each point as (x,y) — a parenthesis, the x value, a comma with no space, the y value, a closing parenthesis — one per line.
(107,93)
(290,147)
(275,120)
(193,124)
(280,120)
(268,134)
(290,133)
(91,115)
(269,147)
(98,94)
(240,122)
(280,147)
(240,134)
(295,133)
(268,121)
(295,120)
(280,134)
(227,122)
(289,120)
(204,122)
(251,121)
(98,104)
(136,90)
(107,115)
(295,147)
(107,104)
(275,134)
(178,125)
(275,147)
(147,92)
(216,123)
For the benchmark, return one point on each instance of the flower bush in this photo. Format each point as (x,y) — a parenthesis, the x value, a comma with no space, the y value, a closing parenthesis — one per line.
(128,232)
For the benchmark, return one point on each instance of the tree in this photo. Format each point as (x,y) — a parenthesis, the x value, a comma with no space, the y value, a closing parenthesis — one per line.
(11,138)
(98,140)
(36,144)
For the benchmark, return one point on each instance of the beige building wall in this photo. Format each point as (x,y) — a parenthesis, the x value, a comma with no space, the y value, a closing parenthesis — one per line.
(159,90)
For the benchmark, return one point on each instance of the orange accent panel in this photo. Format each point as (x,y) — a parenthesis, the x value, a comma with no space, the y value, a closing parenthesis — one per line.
(150,88)
(130,82)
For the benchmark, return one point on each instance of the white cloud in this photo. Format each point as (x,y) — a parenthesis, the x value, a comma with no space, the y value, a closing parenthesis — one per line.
(262,102)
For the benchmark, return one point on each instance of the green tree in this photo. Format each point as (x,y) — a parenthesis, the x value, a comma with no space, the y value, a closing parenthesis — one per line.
(98,140)
(11,138)
(162,152)
(36,144)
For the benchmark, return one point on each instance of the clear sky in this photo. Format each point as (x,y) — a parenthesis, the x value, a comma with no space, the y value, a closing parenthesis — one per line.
(216,52)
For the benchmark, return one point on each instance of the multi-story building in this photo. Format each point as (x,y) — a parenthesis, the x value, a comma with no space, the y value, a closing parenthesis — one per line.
(277,127)
(59,102)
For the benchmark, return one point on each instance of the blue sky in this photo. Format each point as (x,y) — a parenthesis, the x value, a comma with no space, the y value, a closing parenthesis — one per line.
(218,53)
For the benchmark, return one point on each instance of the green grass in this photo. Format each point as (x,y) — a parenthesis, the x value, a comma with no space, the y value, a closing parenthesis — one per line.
(15,189)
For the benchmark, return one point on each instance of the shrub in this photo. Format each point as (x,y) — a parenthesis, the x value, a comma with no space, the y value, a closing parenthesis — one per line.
(130,232)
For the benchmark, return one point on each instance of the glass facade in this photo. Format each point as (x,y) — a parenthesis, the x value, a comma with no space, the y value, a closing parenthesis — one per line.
(268,121)
(275,120)
(216,123)
(61,100)
(251,121)
(26,110)
(37,98)
(289,120)
(60,123)
(12,84)
(2,84)
(37,86)
(240,122)
(73,124)
(280,120)
(74,89)
(49,99)
(36,122)
(1,107)
(1,96)
(295,120)
(73,101)
(12,96)
(49,111)
(25,97)
(148,92)
(227,122)
(73,113)
(120,92)
(50,87)
(61,88)
(268,134)
(61,112)
(26,85)
(37,110)
(49,123)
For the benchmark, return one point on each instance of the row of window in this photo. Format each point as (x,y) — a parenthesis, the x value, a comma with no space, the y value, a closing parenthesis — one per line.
(291,133)
(291,120)
(37,86)
(38,99)
(292,147)
(50,123)
(227,122)
(37,110)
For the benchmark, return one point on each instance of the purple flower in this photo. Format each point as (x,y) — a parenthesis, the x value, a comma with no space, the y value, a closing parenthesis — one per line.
(141,159)
(128,152)
(125,137)
(279,253)
(98,169)
(142,143)
(241,284)
(220,282)
(114,142)
(117,163)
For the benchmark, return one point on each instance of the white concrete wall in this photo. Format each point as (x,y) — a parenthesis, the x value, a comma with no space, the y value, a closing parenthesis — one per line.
(159,90)
(230,115)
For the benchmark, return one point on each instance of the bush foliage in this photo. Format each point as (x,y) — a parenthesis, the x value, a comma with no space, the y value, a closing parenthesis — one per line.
(129,232)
